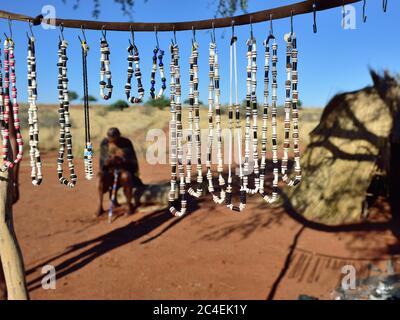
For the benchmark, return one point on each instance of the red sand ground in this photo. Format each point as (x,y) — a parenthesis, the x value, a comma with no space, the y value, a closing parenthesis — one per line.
(210,254)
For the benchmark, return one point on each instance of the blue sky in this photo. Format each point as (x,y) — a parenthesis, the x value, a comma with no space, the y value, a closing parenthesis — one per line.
(330,61)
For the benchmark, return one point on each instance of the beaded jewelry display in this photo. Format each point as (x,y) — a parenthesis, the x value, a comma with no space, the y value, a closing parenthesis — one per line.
(176,130)
(88,152)
(133,59)
(214,101)
(194,107)
(251,111)
(64,118)
(274,196)
(233,78)
(105,72)
(291,106)
(1,97)
(9,75)
(34,153)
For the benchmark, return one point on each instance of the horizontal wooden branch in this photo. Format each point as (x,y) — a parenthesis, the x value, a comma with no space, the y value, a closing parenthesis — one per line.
(255,17)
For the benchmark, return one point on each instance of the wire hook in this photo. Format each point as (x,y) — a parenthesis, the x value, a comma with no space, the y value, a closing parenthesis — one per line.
(251,28)
(132,35)
(30,27)
(213,32)
(271,30)
(193,35)
(364,15)
(234,38)
(384,4)
(104,32)
(174,33)
(314,6)
(83,33)
(9,27)
(61,32)
(156,34)
(291,22)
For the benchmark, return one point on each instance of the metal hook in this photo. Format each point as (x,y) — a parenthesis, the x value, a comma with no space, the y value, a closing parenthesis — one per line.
(364,15)
(251,28)
(174,33)
(291,22)
(104,32)
(213,32)
(30,27)
(194,35)
(271,29)
(384,4)
(9,27)
(234,38)
(132,35)
(61,31)
(315,17)
(83,33)
(156,34)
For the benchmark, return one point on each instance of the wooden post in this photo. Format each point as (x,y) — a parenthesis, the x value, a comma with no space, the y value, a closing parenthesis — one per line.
(10,253)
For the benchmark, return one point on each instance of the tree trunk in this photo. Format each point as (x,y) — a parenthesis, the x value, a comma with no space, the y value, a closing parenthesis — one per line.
(10,253)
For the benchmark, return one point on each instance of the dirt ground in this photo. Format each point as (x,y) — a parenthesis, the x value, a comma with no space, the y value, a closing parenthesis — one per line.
(211,253)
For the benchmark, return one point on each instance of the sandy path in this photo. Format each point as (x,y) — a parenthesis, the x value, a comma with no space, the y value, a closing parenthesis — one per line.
(211,253)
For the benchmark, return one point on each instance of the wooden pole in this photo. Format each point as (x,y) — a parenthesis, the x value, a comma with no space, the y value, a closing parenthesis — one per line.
(294,9)
(10,253)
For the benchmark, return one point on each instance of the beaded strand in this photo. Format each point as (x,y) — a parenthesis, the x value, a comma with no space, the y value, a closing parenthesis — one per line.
(64,118)
(233,74)
(291,106)
(157,53)
(251,112)
(274,196)
(35,161)
(213,101)
(88,152)
(194,105)
(133,58)
(105,72)
(176,118)
(9,75)
(1,97)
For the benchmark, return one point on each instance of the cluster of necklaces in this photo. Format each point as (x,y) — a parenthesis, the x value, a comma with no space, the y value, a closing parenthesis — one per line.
(251,165)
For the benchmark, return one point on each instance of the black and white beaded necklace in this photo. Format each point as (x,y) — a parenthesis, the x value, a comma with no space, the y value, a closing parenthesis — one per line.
(88,152)
(133,59)
(270,198)
(64,117)
(34,153)
(157,53)
(291,107)
(10,106)
(214,103)
(234,89)
(105,71)
(194,107)
(251,112)
(176,131)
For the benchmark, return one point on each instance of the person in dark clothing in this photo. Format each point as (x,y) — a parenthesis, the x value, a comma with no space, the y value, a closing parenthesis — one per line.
(117,153)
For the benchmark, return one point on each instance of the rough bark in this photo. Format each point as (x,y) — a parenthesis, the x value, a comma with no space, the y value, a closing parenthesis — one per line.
(10,253)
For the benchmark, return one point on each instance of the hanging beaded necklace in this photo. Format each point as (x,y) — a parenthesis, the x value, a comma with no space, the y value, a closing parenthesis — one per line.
(214,101)
(176,130)
(274,196)
(105,72)
(251,111)
(88,152)
(194,107)
(1,98)
(64,117)
(35,161)
(291,106)
(233,74)
(133,59)
(157,53)
(9,75)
